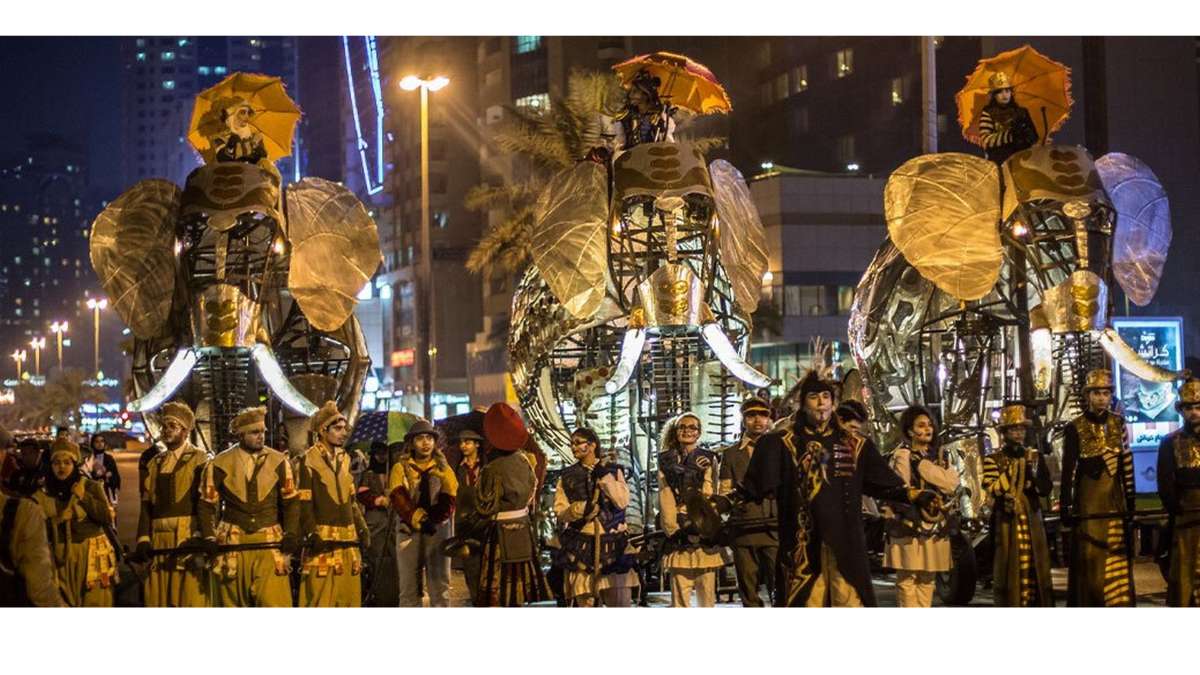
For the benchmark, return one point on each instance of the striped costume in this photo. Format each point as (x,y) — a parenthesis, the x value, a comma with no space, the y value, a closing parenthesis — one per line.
(1005,130)
(1021,571)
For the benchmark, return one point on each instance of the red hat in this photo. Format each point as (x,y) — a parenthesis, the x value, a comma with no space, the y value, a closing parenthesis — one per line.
(503,428)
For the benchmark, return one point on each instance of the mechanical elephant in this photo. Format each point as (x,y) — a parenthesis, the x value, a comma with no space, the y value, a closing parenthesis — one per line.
(239,291)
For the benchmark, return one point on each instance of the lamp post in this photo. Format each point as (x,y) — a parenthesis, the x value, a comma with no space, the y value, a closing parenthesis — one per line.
(18,356)
(38,344)
(58,328)
(426,349)
(96,305)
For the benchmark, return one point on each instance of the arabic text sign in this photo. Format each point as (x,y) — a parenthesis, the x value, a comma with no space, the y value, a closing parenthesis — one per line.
(1149,407)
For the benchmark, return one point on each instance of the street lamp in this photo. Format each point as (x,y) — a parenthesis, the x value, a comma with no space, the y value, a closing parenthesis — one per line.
(18,356)
(38,344)
(96,305)
(58,328)
(427,329)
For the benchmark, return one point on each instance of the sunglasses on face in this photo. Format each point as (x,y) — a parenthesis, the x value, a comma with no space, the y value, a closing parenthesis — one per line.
(688,427)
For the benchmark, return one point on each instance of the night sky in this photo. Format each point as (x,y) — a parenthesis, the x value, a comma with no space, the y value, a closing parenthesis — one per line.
(68,86)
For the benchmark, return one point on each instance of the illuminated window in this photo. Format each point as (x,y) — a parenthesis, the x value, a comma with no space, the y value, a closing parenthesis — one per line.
(845,62)
(204,70)
(168,56)
(897,91)
(168,84)
(538,102)
(845,299)
(220,70)
(528,43)
(141,56)
(183,42)
(799,79)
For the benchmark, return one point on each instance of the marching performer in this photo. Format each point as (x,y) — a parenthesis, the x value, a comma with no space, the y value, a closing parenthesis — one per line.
(170,495)
(80,520)
(818,473)
(1016,478)
(330,521)
(686,471)
(511,574)
(248,497)
(917,548)
(755,543)
(1179,487)
(589,502)
(1097,501)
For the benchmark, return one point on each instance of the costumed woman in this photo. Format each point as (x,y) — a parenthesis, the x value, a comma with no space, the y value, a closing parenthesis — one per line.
(1005,128)
(511,573)
(646,118)
(1016,479)
(78,514)
(685,472)
(239,142)
(589,502)
(917,546)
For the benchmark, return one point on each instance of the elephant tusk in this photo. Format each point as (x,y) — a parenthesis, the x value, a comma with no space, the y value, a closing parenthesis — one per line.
(278,383)
(185,359)
(1129,359)
(728,356)
(631,351)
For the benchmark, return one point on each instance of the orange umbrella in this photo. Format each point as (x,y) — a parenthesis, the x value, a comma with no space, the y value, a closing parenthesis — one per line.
(1040,84)
(275,113)
(684,83)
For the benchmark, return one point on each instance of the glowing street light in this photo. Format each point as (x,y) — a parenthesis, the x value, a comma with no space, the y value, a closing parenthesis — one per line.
(18,356)
(96,305)
(58,328)
(38,344)
(428,334)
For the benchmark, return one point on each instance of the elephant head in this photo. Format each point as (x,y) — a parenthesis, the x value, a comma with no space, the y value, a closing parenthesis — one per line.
(202,271)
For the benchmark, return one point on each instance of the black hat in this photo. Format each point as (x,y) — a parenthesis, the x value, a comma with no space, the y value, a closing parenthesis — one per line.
(852,411)
(755,404)
(813,383)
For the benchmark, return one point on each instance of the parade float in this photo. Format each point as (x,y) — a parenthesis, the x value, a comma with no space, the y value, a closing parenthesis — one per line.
(647,266)
(993,284)
(239,291)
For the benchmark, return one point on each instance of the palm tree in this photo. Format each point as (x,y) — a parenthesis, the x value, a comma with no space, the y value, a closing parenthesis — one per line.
(546,141)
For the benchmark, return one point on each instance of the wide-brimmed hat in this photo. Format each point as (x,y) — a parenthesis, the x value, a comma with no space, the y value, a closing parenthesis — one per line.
(504,428)
(421,426)
(469,435)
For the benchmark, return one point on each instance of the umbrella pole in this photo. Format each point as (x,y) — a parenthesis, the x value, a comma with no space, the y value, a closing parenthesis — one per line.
(1046,127)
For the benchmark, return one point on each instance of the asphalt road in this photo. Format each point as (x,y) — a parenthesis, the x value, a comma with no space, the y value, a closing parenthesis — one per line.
(1151,588)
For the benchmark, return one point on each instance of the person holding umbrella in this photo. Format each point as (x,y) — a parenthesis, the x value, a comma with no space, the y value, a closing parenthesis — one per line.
(422,489)
(1016,478)
(170,496)
(1005,128)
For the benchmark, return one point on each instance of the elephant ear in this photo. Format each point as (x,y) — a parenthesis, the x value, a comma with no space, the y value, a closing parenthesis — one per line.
(132,248)
(570,226)
(335,250)
(941,212)
(1143,228)
(740,236)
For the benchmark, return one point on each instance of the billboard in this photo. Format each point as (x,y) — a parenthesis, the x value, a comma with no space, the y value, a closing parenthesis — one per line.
(1149,407)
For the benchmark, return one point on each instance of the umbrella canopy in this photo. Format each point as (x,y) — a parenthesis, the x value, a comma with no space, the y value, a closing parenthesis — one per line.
(684,82)
(275,113)
(1040,84)
(382,425)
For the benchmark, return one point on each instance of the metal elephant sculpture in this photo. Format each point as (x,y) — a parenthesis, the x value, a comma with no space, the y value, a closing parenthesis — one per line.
(637,305)
(993,285)
(235,288)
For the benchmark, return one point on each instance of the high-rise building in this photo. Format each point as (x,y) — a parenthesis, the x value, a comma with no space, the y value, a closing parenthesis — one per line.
(161,77)
(45,217)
